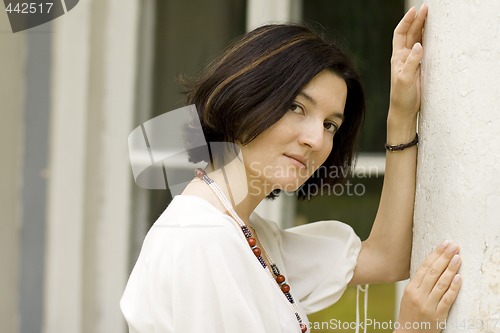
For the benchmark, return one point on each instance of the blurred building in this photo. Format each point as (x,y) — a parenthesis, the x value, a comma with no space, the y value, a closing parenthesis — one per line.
(71,91)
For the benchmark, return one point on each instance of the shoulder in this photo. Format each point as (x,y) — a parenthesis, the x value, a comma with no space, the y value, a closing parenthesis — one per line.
(327,228)
(191,211)
(190,226)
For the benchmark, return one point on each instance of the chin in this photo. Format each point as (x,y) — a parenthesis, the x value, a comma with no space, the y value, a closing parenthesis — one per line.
(290,185)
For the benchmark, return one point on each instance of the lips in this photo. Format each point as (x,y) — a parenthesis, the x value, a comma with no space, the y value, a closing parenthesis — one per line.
(298,158)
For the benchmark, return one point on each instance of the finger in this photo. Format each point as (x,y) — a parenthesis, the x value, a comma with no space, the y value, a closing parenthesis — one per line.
(412,62)
(427,264)
(450,296)
(434,272)
(414,34)
(399,38)
(445,280)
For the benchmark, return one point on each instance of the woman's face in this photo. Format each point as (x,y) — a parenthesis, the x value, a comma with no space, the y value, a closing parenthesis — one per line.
(286,154)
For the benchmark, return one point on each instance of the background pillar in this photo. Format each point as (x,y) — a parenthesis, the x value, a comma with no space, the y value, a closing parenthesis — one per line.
(90,183)
(458,183)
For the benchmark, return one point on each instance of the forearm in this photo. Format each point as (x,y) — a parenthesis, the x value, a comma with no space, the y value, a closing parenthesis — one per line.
(391,234)
(385,255)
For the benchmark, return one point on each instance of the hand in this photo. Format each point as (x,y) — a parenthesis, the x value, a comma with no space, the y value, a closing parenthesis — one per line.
(405,64)
(430,294)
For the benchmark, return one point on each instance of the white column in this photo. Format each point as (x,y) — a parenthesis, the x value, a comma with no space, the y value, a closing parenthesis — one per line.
(458,183)
(260,12)
(141,198)
(63,308)
(12,84)
(94,89)
(112,191)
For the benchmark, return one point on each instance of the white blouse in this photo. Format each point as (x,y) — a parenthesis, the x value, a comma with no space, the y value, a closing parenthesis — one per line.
(196,272)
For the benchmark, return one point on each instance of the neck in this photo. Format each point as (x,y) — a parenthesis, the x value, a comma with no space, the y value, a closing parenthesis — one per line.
(233,180)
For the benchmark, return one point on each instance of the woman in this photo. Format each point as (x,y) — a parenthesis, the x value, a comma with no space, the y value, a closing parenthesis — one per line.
(290,107)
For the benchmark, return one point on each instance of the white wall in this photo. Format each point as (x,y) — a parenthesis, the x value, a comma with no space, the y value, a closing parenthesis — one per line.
(458,182)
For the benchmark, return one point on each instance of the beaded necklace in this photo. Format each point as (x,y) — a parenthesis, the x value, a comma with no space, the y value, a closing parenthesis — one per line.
(252,242)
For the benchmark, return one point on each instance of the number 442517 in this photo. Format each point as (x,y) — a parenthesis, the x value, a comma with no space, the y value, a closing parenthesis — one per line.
(29,8)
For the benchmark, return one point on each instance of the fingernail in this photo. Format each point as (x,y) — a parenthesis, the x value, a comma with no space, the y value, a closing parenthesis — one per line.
(455,260)
(444,244)
(456,279)
(452,248)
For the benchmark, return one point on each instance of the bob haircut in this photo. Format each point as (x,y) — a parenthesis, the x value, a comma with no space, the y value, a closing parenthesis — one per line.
(254,83)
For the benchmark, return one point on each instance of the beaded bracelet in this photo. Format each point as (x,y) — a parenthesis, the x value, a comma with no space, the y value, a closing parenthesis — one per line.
(402,146)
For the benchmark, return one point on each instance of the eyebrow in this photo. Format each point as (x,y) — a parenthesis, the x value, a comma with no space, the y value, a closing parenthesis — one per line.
(313,102)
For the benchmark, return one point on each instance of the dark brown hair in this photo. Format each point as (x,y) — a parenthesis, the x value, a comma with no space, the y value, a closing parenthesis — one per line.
(254,82)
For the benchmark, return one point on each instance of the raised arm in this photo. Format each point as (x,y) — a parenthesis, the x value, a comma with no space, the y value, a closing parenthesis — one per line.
(385,255)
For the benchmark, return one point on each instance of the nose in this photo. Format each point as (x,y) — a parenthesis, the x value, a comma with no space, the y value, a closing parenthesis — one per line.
(312,135)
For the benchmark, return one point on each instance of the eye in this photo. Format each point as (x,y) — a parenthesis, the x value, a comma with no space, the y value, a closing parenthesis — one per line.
(296,108)
(330,127)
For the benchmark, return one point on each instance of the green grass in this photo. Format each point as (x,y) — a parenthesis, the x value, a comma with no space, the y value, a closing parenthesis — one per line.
(381,303)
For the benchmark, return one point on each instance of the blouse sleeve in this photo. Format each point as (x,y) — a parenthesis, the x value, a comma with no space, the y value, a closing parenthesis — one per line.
(320,258)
